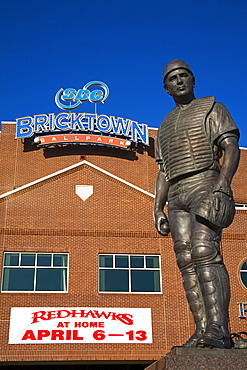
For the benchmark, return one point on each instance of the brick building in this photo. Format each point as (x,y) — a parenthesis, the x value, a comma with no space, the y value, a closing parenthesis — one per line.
(77,237)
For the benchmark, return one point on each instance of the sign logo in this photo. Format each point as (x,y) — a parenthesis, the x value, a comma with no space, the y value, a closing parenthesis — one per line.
(70,128)
(77,97)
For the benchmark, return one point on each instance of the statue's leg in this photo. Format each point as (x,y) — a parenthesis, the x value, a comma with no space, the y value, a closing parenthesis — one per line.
(196,304)
(215,287)
(216,292)
(180,225)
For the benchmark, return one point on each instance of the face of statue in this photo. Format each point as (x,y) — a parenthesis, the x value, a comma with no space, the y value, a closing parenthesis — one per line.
(180,84)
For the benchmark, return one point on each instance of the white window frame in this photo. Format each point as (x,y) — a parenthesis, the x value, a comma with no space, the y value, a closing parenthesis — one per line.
(35,267)
(129,269)
(241,206)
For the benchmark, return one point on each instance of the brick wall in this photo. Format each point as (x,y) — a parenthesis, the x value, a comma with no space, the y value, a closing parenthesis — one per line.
(117,218)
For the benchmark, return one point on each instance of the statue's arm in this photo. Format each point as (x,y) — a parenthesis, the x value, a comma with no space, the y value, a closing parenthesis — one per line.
(217,205)
(230,161)
(160,219)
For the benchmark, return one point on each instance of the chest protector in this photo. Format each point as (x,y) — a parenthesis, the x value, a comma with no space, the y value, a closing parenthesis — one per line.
(184,145)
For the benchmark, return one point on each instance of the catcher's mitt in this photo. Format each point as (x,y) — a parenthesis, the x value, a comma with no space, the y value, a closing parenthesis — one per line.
(217,207)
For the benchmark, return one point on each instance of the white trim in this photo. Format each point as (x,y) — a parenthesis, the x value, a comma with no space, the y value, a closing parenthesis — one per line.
(39,180)
(240,207)
(119,179)
(70,168)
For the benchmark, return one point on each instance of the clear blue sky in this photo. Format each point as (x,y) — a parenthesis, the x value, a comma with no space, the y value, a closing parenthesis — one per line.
(49,44)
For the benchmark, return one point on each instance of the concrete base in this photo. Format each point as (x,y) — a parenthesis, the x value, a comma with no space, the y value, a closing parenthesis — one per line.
(181,358)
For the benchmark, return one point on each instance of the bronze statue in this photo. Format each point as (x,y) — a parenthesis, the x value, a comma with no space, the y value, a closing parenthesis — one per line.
(190,143)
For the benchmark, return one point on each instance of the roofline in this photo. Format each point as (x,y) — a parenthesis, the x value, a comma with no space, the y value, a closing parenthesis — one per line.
(30,184)
(8,122)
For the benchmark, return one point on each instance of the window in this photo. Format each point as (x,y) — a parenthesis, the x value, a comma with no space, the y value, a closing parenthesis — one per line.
(243,274)
(35,272)
(129,273)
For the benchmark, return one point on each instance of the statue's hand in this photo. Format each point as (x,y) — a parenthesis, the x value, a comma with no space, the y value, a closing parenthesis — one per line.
(217,207)
(161,223)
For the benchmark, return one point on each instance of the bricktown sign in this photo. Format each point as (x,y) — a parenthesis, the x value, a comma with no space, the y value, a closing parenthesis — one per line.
(81,128)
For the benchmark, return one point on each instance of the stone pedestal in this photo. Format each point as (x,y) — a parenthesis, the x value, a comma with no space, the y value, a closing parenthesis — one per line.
(181,358)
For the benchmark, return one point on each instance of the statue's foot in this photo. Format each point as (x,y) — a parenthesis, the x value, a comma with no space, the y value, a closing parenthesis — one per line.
(214,338)
(192,341)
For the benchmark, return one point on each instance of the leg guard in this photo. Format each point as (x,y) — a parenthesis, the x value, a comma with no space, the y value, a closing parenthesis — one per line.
(205,248)
(215,288)
(192,289)
(195,300)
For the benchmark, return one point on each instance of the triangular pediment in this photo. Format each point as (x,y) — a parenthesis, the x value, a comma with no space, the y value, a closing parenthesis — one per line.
(67,169)
(53,202)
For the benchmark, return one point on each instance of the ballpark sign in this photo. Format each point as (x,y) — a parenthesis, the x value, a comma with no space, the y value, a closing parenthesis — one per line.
(80,325)
(81,128)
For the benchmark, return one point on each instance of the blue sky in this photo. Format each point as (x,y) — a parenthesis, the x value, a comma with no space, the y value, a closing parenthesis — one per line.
(51,44)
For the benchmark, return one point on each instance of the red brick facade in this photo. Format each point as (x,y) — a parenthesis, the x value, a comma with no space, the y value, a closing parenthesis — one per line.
(48,216)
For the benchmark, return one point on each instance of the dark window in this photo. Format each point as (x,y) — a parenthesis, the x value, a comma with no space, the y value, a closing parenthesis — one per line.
(106,261)
(243,274)
(35,272)
(145,281)
(129,273)
(114,280)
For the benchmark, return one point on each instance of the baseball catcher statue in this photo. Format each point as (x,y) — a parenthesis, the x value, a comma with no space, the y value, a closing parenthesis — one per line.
(191,140)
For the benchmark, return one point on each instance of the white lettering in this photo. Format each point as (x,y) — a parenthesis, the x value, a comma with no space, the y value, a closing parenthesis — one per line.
(86,123)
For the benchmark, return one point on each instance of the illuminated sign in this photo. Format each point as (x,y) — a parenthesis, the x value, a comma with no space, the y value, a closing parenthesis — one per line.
(81,128)
(80,325)
(86,138)
(80,123)
(81,95)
